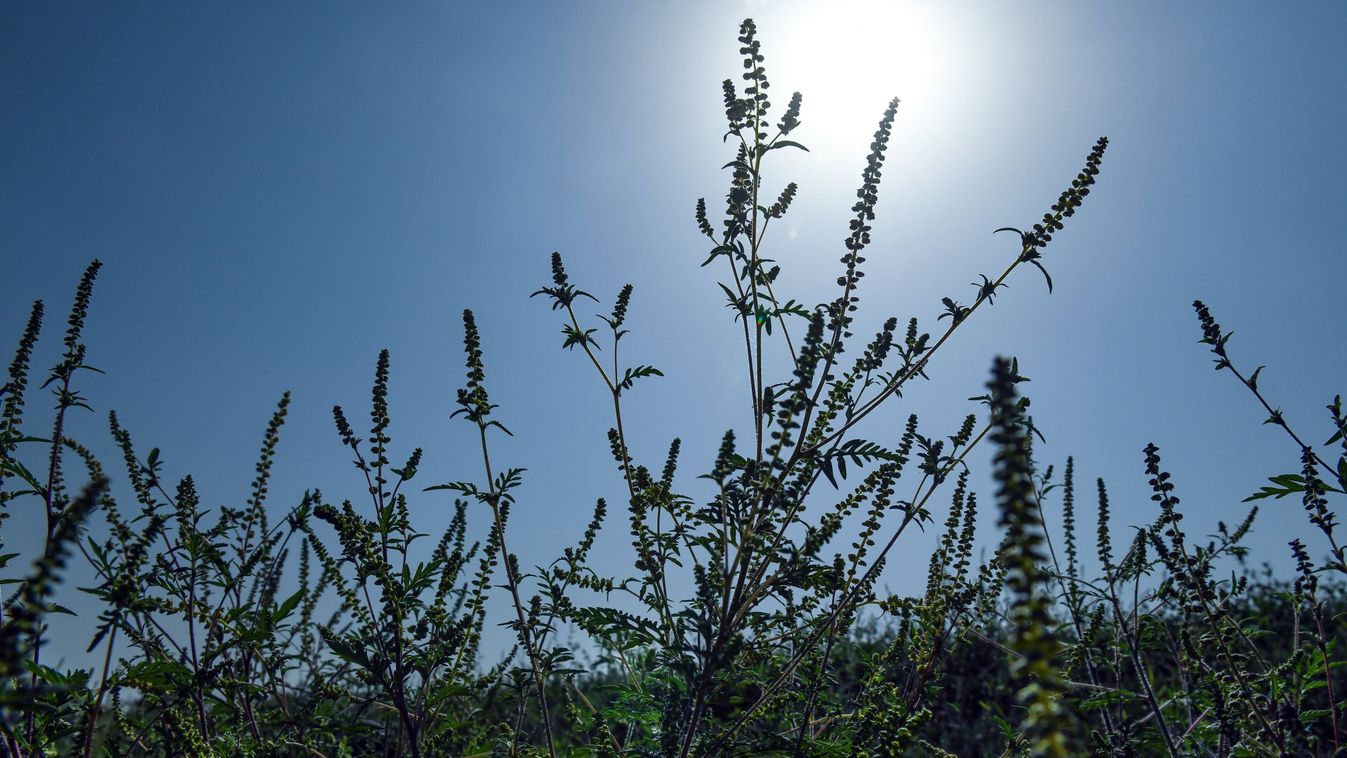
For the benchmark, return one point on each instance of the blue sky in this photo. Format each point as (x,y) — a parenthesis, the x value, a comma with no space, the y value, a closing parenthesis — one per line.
(279,190)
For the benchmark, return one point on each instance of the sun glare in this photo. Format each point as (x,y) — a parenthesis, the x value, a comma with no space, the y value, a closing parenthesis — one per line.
(849,57)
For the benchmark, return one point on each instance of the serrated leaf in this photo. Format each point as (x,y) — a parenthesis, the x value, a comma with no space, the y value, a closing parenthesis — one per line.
(287,607)
(1286,484)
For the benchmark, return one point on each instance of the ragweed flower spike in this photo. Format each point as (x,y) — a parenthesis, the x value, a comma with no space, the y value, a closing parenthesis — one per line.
(472,398)
(620,308)
(11,416)
(754,74)
(1305,567)
(1071,198)
(1212,335)
(782,204)
(704,224)
(80,310)
(734,108)
(1047,725)
(564,293)
(379,419)
(1316,495)
(348,437)
(1103,540)
(864,208)
(791,120)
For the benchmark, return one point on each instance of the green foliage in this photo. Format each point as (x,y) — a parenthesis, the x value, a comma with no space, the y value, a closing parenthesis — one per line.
(748,623)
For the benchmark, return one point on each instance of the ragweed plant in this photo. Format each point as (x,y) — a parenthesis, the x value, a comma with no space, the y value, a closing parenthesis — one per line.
(1319,474)
(750,621)
(414,624)
(24,680)
(745,660)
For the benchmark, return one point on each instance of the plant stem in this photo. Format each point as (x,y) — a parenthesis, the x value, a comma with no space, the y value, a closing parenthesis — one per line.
(512,583)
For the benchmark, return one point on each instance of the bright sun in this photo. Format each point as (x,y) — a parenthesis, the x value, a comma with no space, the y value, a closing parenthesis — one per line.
(849,57)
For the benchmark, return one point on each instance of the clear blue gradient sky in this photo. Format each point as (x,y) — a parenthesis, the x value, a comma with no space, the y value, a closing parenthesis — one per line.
(279,190)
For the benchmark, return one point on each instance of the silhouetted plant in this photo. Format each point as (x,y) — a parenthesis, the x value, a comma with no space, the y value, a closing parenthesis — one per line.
(1315,469)
(749,622)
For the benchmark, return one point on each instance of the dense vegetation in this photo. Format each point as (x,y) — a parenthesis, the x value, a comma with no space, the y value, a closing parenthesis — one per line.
(781,644)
